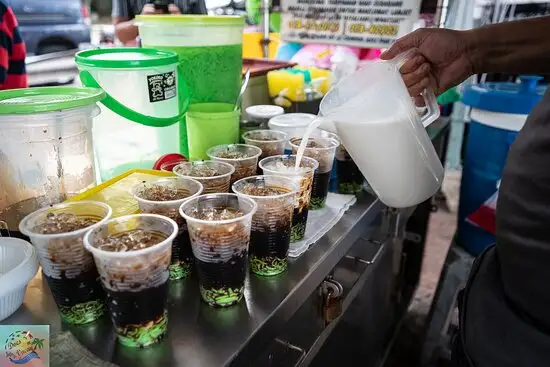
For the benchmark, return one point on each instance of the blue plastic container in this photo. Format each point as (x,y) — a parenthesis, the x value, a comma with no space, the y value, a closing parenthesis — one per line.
(499,111)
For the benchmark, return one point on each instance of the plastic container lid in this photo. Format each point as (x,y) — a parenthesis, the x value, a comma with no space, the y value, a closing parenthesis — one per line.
(229,20)
(47,99)
(505,97)
(168,158)
(292,120)
(264,112)
(124,58)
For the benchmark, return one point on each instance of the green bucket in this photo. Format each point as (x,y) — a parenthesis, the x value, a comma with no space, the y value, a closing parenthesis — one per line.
(210,124)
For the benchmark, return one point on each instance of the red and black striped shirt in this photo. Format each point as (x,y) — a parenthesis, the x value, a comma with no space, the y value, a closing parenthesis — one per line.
(12,51)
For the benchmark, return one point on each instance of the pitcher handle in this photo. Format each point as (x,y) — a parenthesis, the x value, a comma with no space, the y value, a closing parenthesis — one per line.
(432,112)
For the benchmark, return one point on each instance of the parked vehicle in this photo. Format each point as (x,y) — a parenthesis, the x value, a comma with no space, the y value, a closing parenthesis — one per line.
(52,25)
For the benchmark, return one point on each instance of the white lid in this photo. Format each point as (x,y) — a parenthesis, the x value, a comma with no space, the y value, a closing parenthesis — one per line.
(499,120)
(264,111)
(293,120)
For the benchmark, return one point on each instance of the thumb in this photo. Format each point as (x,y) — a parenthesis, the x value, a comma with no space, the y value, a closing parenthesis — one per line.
(403,44)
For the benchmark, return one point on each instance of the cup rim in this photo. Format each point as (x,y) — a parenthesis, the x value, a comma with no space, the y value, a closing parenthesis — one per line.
(31,234)
(112,254)
(293,173)
(166,202)
(225,221)
(294,191)
(231,170)
(213,157)
(283,138)
(176,163)
(334,143)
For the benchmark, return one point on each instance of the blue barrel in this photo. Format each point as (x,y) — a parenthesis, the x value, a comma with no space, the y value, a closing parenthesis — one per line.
(499,111)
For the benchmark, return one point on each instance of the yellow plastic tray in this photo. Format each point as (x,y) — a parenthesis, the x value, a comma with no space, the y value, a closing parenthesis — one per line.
(116,191)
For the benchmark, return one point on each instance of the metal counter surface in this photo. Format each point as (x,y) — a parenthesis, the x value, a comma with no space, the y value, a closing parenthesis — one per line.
(203,336)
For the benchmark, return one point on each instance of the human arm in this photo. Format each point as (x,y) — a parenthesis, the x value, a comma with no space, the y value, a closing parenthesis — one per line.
(519,47)
(198,7)
(12,52)
(125,29)
(444,58)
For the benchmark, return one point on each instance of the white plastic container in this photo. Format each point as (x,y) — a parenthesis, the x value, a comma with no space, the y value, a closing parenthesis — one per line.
(145,99)
(378,123)
(18,265)
(263,113)
(293,124)
(46,151)
(190,30)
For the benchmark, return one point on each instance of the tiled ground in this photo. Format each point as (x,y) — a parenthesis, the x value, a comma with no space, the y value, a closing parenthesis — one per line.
(441,231)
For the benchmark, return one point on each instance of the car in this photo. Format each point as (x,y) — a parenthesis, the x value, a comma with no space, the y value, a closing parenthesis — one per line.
(49,26)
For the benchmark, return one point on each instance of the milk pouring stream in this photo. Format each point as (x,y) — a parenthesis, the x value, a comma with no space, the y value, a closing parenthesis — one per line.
(377,122)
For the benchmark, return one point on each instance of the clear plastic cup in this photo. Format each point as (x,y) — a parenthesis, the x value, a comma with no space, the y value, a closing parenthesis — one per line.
(323,150)
(349,177)
(214,176)
(283,165)
(169,166)
(241,156)
(136,281)
(271,142)
(183,189)
(272,222)
(66,265)
(219,228)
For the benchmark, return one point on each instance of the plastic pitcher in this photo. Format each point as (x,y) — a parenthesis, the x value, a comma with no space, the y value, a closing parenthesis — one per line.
(210,53)
(145,98)
(376,119)
(46,152)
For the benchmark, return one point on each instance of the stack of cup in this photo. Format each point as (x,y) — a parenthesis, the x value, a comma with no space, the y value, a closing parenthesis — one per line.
(272,222)
(132,254)
(284,165)
(57,233)
(219,228)
(164,196)
(323,151)
(241,156)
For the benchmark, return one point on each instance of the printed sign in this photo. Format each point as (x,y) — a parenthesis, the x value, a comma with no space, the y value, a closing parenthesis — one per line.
(161,86)
(25,345)
(358,23)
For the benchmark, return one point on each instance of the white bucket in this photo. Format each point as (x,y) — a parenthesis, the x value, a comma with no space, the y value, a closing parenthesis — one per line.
(146,97)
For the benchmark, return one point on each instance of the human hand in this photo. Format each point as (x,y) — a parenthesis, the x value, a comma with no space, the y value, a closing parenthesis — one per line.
(149,9)
(441,59)
(173,9)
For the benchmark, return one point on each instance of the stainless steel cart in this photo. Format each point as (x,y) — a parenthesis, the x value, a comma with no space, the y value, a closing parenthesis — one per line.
(280,321)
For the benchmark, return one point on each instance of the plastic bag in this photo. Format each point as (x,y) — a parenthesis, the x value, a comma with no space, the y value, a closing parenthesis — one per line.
(485,216)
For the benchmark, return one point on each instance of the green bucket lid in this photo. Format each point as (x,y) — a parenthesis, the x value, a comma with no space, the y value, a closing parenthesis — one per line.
(126,57)
(47,99)
(229,20)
